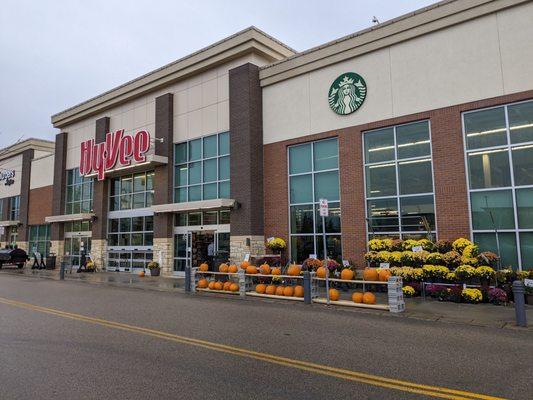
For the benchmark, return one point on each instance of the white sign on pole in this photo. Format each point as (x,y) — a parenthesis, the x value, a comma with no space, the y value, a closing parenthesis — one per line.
(528,282)
(384,265)
(247,257)
(324,209)
(312,256)
(417,249)
(2,230)
(345,263)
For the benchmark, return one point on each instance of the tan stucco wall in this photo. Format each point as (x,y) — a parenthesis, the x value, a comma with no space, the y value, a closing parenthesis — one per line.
(486,57)
(13,163)
(201,107)
(42,172)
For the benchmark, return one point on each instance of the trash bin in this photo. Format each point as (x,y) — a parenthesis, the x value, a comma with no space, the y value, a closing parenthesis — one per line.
(51,261)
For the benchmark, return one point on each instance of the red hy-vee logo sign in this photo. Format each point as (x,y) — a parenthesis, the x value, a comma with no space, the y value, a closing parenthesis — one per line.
(98,158)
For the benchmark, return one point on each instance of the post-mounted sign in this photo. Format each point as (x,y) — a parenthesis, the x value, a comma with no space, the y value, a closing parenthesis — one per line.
(118,150)
(7,175)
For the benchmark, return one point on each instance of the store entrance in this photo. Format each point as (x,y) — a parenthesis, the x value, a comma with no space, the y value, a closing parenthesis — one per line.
(203,248)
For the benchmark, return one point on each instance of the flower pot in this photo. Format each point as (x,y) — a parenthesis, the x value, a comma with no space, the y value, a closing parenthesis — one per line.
(155,272)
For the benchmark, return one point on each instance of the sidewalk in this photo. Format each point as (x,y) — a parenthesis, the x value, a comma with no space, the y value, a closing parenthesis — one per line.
(486,315)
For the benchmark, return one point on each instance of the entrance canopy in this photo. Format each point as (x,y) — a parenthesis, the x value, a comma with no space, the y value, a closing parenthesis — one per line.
(69,217)
(214,204)
(10,223)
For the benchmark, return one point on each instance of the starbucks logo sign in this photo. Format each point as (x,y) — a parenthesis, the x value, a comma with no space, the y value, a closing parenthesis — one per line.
(347,93)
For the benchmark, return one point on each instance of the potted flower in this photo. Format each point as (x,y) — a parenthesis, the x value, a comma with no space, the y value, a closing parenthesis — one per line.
(154,268)
(276,244)
(497,296)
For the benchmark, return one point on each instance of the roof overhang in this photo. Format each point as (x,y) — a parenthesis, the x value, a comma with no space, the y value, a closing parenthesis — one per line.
(215,204)
(152,161)
(14,222)
(69,217)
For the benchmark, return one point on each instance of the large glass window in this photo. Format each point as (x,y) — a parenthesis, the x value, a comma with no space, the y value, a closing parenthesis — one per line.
(132,191)
(499,153)
(313,175)
(39,239)
(399,181)
(79,196)
(14,208)
(130,231)
(201,169)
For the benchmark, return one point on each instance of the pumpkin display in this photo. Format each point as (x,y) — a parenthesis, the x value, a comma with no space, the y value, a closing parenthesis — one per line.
(347,274)
(251,269)
(276,271)
(226,285)
(218,285)
(279,290)
(234,287)
(270,289)
(223,268)
(204,267)
(384,275)
(299,291)
(232,269)
(141,274)
(264,269)
(260,288)
(334,294)
(288,291)
(202,283)
(357,297)
(294,270)
(245,264)
(369,298)
(321,272)
(370,274)
(211,285)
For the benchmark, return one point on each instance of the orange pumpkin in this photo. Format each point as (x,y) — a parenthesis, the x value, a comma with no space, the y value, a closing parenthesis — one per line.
(270,289)
(211,285)
(357,297)
(245,264)
(276,271)
(223,268)
(370,274)
(299,291)
(369,298)
(234,287)
(141,274)
(294,270)
(202,283)
(288,291)
(334,294)
(347,274)
(321,272)
(264,269)
(226,285)
(218,285)
(233,269)
(204,267)
(251,269)
(260,288)
(384,275)
(279,290)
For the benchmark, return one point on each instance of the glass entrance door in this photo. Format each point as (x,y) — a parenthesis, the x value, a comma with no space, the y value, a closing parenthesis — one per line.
(74,246)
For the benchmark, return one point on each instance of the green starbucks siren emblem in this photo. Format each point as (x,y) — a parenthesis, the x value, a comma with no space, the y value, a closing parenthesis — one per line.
(347,93)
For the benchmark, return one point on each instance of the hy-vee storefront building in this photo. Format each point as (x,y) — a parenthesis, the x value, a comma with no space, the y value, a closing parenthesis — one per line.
(421,124)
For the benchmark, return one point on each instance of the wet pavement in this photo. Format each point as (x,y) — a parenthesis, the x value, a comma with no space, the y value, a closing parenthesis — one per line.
(486,315)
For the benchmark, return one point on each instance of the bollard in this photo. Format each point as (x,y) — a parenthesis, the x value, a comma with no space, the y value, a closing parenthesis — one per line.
(519,303)
(187,279)
(243,284)
(62,271)
(307,287)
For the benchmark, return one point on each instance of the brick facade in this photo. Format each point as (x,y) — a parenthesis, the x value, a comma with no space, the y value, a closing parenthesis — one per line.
(451,192)
(40,205)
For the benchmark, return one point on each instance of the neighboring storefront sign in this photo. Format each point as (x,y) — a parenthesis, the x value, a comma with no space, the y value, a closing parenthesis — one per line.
(7,175)
(118,150)
(347,93)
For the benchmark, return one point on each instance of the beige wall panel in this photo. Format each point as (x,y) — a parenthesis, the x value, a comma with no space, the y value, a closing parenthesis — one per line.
(180,102)
(223,87)
(209,92)
(452,66)
(375,70)
(286,109)
(209,119)
(195,123)
(42,172)
(194,97)
(13,163)
(516,44)
(181,128)
(223,116)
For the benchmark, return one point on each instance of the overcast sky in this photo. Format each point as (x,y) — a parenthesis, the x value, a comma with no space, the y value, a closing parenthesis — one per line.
(55,54)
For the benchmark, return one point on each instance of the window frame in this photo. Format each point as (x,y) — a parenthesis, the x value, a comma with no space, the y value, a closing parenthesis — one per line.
(398,196)
(509,146)
(83,181)
(132,193)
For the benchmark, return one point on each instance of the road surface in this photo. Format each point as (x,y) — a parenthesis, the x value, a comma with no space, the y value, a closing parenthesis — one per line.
(67,340)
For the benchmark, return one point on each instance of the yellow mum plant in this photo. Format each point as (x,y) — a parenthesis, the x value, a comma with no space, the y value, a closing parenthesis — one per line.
(460,244)
(408,291)
(472,295)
